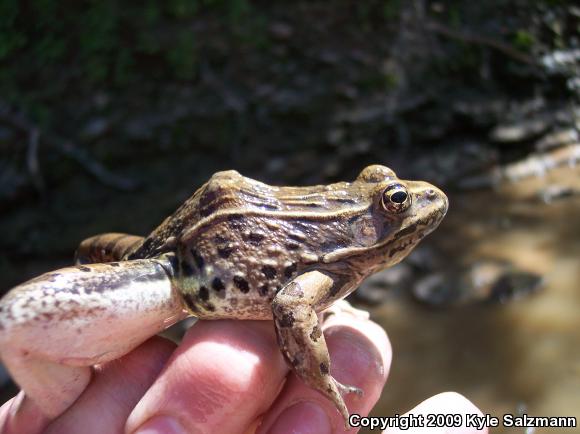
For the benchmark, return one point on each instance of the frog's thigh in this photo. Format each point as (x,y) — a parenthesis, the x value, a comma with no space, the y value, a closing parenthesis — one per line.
(301,339)
(54,327)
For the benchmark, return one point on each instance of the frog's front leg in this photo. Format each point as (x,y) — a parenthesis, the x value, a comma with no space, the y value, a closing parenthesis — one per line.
(54,327)
(300,336)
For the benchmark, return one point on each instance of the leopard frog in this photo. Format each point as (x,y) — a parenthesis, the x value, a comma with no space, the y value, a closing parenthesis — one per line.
(237,249)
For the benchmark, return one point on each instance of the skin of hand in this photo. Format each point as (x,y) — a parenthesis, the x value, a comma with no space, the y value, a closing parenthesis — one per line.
(227,376)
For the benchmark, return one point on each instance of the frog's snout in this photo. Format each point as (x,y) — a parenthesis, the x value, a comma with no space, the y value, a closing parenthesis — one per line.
(429,199)
(439,199)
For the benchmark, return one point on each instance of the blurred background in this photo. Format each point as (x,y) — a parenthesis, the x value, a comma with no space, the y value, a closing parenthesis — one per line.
(111,115)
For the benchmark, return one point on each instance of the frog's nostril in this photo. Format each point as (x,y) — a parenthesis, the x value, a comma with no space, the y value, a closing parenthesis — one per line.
(430,193)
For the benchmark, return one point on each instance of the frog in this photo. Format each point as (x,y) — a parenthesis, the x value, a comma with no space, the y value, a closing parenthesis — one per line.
(237,249)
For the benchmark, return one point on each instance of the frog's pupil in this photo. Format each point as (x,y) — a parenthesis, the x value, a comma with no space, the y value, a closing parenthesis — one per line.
(399,197)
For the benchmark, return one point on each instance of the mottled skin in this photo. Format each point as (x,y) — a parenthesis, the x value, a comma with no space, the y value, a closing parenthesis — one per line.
(236,249)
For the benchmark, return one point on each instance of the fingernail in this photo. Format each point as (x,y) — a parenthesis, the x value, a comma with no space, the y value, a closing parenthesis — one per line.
(302,418)
(161,425)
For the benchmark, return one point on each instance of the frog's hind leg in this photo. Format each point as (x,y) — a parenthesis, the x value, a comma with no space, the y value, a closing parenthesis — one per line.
(106,248)
(300,336)
(54,327)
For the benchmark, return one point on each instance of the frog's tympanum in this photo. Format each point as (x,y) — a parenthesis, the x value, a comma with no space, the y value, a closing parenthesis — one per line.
(237,249)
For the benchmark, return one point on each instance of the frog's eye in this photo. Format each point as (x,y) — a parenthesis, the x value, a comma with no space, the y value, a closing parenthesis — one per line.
(396,198)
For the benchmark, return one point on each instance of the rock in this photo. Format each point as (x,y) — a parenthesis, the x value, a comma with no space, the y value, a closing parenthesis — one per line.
(380,286)
(555,192)
(335,135)
(95,128)
(557,138)
(520,131)
(281,31)
(484,281)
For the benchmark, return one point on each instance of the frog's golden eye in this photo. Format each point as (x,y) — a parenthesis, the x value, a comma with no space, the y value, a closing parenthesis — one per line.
(396,198)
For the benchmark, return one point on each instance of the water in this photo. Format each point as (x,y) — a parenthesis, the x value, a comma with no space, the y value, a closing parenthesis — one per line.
(520,356)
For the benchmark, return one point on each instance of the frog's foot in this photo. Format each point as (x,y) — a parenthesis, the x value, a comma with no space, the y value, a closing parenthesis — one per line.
(54,327)
(335,394)
(344,307)
(345,390)
(106,248)
(301,340)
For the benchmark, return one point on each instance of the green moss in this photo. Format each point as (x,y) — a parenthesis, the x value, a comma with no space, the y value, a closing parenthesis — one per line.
(182,55)
(182,8)
(391,9)
(523,40)
(10,38)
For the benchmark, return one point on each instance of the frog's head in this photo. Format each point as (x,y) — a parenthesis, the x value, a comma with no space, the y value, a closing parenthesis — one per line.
(401,213)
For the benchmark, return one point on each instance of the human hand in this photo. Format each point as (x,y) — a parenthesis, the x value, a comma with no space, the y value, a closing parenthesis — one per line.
(226,376)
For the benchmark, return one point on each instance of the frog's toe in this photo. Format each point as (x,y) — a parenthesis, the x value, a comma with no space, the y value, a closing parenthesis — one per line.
(343,307)
(345,389)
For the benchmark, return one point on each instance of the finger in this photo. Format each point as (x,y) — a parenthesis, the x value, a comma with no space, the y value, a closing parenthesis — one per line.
(360,356)
(20,415)
(223,375)
(444,403)
(114,391)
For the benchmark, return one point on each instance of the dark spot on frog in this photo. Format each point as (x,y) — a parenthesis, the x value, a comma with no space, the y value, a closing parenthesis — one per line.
(301,226)
(186,269)
(114,264)
(278,288)
(324,369)
(191,302)
(395,250)
(220,239)
(263,290)
(204,293)
(53,277)
(316,333)
(290,270)
(295,361)
(287,320)
(225,252)
(408,230)
(217,284)
(210,307)
(235,218)
(241,284)
(256,238)
(312,205)
(344,200)
(147,244)
(335,289)
(83,268)
(292,246)
(269,271)
(173,261)
(207,203)
(197,258)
